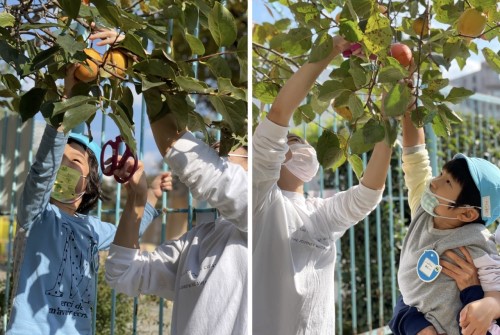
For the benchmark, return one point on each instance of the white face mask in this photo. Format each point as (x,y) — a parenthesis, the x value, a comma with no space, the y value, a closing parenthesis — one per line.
(303,164)
(430,201)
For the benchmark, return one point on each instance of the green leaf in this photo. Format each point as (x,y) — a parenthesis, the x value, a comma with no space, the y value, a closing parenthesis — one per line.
(355,106)
(6,20)
(233,111)
(44,57)
(192,85)
(305,12)
(118,109)
(63,106)
(265,92)
(30,103)
(397,100)
(71,7)
(328,149)
(391,128)
(219,67)
(331,89)
(131,43)
(373,131)
(222,25)
(69,45)
(227,88)
(242,58)
(458,94)
(297,42)
(12,56)
(440,126)
(125,131)
(437,84)
(154,104)
(195,44)
(350,31)
(155,67)
(306,113)
(378,34)
(357,165)
(197,123)
(446,11)
(358,144)
(358,73)
(492,58)
(450,115)
(179,105)
(77,115)
(322,48)
(391,74)
(11,82)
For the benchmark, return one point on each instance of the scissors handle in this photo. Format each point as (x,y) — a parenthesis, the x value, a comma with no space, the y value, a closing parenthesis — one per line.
(115,164)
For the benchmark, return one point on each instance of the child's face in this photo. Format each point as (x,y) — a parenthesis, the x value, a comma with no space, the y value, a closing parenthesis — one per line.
(447,187)
(76,157)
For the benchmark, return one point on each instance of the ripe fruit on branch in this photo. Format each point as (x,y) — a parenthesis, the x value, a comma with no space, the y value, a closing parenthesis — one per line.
(420,26)
(89,72)
(471,23)
(115,62)
(402,53)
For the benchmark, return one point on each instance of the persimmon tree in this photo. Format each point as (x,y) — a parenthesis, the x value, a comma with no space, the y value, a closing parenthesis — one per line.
(162,40)
(436,33)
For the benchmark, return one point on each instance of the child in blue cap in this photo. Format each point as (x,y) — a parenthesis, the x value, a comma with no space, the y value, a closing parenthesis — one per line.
(57,243)
(449,211)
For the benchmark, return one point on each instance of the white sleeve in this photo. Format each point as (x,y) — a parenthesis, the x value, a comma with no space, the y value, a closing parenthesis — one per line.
(488,270)
(131,272)
(269,143)
(221,183)
(345,209)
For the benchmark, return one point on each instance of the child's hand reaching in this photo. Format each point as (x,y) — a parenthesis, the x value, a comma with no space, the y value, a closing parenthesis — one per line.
(107,36)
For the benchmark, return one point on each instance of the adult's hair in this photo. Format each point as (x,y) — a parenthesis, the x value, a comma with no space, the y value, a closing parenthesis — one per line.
(93,188)
(469,195)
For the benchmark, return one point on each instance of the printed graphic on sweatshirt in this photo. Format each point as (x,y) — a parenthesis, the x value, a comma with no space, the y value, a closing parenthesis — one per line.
(74,283)
(194,278)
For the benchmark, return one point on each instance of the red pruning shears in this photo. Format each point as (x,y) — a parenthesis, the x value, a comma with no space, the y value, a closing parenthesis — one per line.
(116,164)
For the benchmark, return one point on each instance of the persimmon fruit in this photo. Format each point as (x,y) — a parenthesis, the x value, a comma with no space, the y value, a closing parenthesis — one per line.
(89,71)
(402,53)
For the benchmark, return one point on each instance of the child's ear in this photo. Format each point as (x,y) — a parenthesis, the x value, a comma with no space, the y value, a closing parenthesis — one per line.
(468,214)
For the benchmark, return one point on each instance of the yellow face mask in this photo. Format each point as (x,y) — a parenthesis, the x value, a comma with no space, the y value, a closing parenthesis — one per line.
(64,189)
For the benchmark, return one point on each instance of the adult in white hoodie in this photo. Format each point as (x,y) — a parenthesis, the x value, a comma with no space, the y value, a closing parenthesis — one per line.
(294,238)
(205,271)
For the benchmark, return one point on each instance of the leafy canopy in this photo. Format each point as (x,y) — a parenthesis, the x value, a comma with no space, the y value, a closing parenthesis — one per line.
(353,90)
(177,51)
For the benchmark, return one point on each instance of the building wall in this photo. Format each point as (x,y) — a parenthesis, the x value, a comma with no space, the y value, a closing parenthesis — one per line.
(485,81)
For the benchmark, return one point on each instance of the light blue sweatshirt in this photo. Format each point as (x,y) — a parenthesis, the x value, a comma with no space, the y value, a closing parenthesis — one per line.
(55,289)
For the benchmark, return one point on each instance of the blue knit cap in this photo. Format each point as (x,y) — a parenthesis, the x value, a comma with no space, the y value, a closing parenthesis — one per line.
(78,134)
(486,176)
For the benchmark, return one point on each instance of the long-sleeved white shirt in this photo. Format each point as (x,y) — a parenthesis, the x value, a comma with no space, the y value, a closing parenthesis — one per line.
(205,271)
(294,243)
